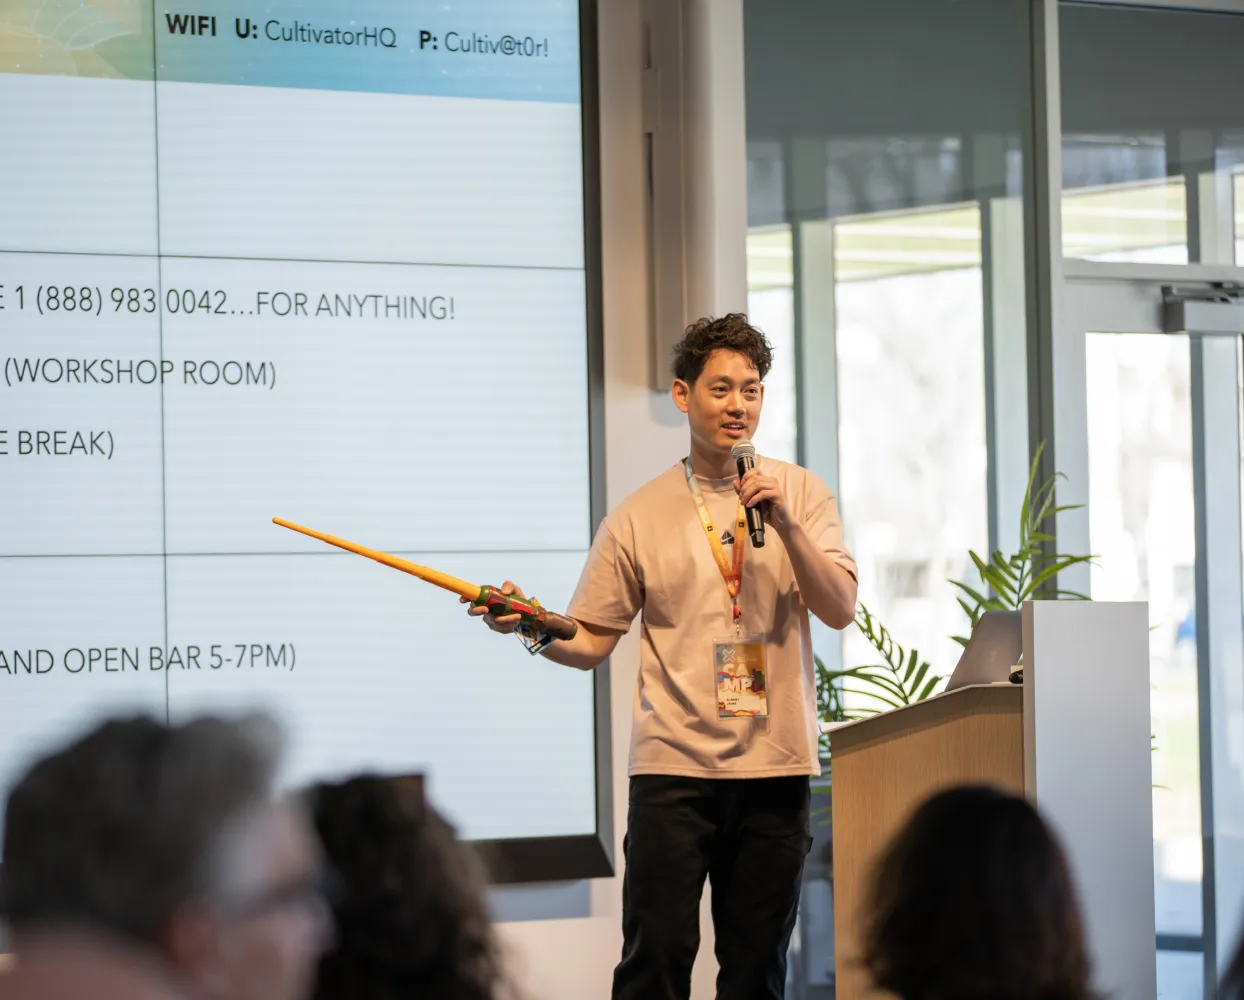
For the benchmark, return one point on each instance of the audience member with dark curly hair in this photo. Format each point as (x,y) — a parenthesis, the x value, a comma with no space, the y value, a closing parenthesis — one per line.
(412,919)
(974,900)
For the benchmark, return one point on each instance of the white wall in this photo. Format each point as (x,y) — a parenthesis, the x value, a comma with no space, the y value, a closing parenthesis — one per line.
(573,958)
(1087,765)
(715,151)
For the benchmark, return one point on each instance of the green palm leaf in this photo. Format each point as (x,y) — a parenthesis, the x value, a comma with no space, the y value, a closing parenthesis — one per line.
(1003,582)
(1031,571)
(980,599)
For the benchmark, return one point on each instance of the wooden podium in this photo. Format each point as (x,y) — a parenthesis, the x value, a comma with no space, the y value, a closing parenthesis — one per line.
(1074,738)
(887,765)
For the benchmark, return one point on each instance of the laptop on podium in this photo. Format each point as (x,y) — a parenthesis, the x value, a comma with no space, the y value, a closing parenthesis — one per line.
(992,651)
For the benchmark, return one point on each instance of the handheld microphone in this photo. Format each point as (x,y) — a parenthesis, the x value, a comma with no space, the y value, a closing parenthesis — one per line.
(744,455)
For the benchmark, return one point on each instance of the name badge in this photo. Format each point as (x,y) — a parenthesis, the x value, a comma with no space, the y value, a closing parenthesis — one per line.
(742,677)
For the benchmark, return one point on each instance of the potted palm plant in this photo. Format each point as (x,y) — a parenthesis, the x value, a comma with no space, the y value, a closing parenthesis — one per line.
(903,676)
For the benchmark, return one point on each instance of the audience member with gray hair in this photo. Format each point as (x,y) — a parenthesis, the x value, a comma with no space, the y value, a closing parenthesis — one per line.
(152,862)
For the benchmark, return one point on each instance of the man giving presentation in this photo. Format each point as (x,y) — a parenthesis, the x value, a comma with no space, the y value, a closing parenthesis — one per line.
(725,727)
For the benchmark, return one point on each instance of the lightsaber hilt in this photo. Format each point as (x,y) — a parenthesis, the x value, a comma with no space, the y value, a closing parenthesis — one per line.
(532,613)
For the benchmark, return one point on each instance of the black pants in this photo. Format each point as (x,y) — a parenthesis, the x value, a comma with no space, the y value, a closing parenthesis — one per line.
(750,838)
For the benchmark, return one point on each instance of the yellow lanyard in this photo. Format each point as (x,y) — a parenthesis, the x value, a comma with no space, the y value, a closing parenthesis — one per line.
(732,574)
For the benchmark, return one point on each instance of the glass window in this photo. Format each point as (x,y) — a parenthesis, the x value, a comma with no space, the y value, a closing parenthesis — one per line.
(1181,975)
(885,255)
(885,212)
(1142,530)
(1144,221)
(1150,114)
(1239,216)
(912,439)
(771,307)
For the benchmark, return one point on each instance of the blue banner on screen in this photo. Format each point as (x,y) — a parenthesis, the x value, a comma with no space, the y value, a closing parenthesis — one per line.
(285,260)
(526,51)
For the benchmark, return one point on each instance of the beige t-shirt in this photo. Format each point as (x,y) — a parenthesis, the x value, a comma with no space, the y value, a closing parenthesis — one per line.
(651,554)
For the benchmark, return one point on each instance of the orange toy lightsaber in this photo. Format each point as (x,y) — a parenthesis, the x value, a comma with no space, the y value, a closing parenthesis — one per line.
(533,615)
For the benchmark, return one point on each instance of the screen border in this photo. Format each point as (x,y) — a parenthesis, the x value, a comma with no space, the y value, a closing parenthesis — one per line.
(580,856)
(554,859)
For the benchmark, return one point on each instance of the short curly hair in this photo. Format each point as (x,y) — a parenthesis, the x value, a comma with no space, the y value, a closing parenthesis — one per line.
(731,332)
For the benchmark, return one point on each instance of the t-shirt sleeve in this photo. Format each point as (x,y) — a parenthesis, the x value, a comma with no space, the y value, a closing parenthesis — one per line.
(609,593)
(824,526)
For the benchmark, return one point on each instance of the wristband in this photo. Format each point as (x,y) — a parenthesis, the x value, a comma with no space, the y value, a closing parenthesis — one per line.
(533,639)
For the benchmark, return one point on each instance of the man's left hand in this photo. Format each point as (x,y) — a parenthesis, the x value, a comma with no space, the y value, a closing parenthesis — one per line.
(758,489)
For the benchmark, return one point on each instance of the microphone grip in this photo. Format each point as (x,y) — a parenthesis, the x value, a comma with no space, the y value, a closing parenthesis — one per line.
(755,520)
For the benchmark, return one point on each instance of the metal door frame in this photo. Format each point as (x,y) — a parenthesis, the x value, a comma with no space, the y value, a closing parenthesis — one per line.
(1125,298)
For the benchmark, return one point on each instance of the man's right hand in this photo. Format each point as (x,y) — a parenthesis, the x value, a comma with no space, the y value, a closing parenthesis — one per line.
(589,647)
(504,624)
